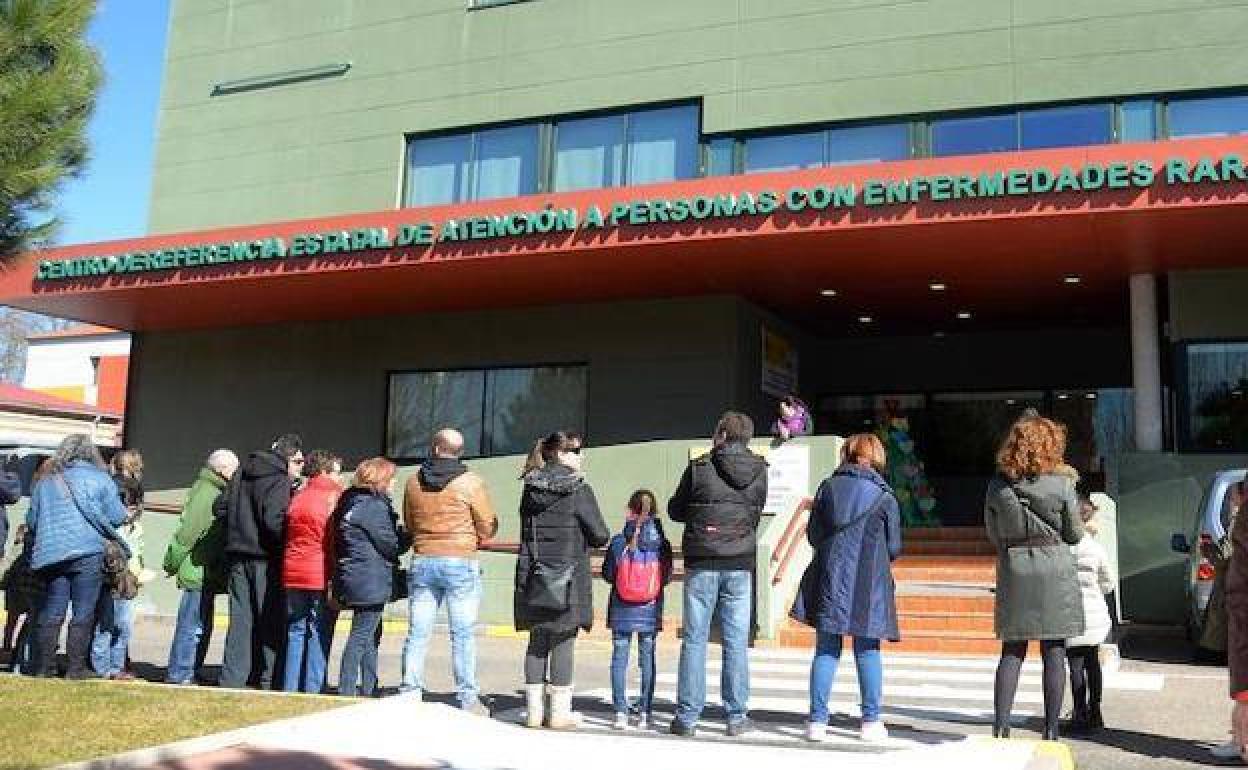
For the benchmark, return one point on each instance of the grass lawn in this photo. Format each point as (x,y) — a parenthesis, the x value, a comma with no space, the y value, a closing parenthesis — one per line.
(45,722)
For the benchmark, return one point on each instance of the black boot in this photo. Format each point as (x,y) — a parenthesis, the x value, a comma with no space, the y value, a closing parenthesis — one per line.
(1095,720)
(1001,729)
(78,651)
(43,654)
(1050,732)
(1078,721)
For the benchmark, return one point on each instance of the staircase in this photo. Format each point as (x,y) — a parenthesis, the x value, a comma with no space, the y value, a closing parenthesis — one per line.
(944,580)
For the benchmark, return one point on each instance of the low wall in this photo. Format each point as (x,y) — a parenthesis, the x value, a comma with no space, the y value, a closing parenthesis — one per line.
(614,471)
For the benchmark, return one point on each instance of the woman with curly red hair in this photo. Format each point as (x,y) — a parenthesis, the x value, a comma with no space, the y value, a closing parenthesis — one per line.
(1032,516)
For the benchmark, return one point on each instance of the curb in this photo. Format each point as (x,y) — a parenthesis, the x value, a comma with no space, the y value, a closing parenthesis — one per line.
(1045,755)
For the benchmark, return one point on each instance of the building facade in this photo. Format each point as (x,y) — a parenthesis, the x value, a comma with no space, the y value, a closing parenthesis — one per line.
(373,217)
(84,363)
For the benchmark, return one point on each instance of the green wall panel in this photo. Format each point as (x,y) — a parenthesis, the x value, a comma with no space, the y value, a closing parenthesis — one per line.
(753,63)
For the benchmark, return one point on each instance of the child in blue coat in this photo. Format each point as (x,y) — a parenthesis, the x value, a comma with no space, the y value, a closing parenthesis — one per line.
(641,550)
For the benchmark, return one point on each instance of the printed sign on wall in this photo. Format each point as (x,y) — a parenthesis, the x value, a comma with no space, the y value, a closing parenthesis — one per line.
(779,365)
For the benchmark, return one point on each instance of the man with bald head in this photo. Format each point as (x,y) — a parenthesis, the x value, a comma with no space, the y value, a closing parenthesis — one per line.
(449,516)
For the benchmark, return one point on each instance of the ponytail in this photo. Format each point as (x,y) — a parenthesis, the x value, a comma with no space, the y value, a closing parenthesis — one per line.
(534,460)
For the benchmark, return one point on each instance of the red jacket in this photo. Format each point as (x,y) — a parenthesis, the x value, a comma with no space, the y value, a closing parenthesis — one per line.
(307,524)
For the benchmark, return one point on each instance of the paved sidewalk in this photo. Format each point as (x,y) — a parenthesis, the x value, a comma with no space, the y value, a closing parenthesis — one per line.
(401,732)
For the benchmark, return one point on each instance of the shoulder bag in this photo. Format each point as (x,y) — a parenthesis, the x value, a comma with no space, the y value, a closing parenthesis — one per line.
(547,586)
(117,575)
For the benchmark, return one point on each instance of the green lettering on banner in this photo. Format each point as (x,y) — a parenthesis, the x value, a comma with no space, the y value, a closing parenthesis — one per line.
(660,210)
(702,207)
(873,193)
(964,187)
(1042,181)
(1205,172)
(746,204)
(796,199)
(1067,181)
(991,185)
(1016,182)
(619,212)
(638,213)
(593,218)
(768,202)
(1143,174)
(1118,176)
(942,188)
(1092,177)
(1177,171)
(724,205)
(1233,166)
(820,197)
(680,210)
(897,191)
(450,230)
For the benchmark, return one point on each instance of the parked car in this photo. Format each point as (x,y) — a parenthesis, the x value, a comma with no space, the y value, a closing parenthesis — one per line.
(1209,526)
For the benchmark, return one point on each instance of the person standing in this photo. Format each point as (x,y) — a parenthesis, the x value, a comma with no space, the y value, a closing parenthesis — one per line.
(638,566)
(256,504)
(559,523)
(1096,580)
(1032,517)
(74,510)
(448,513)
(848,590)
(115,613)
(305,570)
(196,558)
(719,499)
(367,545)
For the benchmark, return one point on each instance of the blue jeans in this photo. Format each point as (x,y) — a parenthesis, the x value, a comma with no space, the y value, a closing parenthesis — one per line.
(359,657)
(731,591)
(823,673)
(191,637)
(432,580)
(114,620)
(308,635)
(621,644)
(75,583)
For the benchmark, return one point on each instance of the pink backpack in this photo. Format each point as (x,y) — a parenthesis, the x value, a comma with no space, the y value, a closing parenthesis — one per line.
(639,574)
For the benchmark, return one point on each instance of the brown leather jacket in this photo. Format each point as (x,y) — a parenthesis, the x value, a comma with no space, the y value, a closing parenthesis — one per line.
(451,519)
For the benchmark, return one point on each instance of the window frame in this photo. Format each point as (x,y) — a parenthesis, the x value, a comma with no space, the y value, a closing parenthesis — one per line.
(486,370)
(481,5)
(1184,440)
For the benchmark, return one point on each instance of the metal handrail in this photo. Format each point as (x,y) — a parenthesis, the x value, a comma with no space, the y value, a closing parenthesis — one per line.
(804,505)
(791,540)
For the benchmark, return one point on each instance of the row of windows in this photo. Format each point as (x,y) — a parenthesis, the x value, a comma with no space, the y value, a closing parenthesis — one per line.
(664,144)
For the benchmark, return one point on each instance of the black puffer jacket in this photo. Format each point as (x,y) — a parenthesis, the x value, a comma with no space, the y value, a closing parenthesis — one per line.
(367,544)
(720,499)
(560,522)
(256,503)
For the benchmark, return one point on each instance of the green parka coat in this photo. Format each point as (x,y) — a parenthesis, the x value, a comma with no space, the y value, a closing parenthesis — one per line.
(197,552)
(1033,522)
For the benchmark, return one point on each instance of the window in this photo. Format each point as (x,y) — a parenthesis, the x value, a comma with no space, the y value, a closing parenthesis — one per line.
(499,411)
(1215,116)
(627,149)
(1076,126)
(972,135)
(866,144)
(785,152)
(1216,396)
(495,163)
(1138,121)
(474,5)
(721,157)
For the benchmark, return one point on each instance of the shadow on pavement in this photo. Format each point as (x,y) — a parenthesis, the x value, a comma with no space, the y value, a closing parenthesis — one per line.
(252,758)
(1154,747)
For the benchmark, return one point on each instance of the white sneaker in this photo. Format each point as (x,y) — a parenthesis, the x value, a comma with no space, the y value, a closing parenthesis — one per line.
(1228,750)
(621,721)
(873,732)
(643,721)
(816,733)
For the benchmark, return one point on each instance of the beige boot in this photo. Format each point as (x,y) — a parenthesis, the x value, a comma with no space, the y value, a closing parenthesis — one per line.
(534,704)
(561,716)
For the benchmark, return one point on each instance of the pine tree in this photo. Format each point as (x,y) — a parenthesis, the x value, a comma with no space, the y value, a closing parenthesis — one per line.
(49,76)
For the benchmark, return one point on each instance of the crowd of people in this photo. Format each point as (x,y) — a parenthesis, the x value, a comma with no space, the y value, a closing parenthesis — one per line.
(292,547)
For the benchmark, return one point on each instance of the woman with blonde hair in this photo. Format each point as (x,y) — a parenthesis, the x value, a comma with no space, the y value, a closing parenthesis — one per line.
(367,545)
(1032,516)
(855,529)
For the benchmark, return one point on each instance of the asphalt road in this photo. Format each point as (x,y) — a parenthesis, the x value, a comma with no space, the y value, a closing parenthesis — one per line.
(1167,722)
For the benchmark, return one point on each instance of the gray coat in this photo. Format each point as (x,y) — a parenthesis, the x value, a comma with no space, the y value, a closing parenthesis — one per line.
(1032,523)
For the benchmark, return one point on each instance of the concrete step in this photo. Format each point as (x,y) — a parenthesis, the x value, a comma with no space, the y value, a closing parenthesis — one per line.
(973,569)
(973,603)
(977,643)
(945,534)
(947,547)
(937,620)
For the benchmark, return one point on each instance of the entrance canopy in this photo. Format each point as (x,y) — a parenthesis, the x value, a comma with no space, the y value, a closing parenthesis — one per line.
(1041,236)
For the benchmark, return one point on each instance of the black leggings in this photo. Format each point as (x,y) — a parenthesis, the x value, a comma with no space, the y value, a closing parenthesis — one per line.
(1085,676)
(550,658)
(1053,654)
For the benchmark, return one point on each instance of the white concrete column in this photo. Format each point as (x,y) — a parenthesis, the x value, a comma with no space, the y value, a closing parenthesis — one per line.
(1146,363)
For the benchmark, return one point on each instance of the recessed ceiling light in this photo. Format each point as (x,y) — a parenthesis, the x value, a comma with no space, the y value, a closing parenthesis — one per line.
(938,334)
(937,286)
(828,292)
(964,315)
(865,319)
(1063,396)
(1071,280)
(1089,395)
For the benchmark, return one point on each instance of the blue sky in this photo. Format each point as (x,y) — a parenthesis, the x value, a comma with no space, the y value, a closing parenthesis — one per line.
(110,200)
